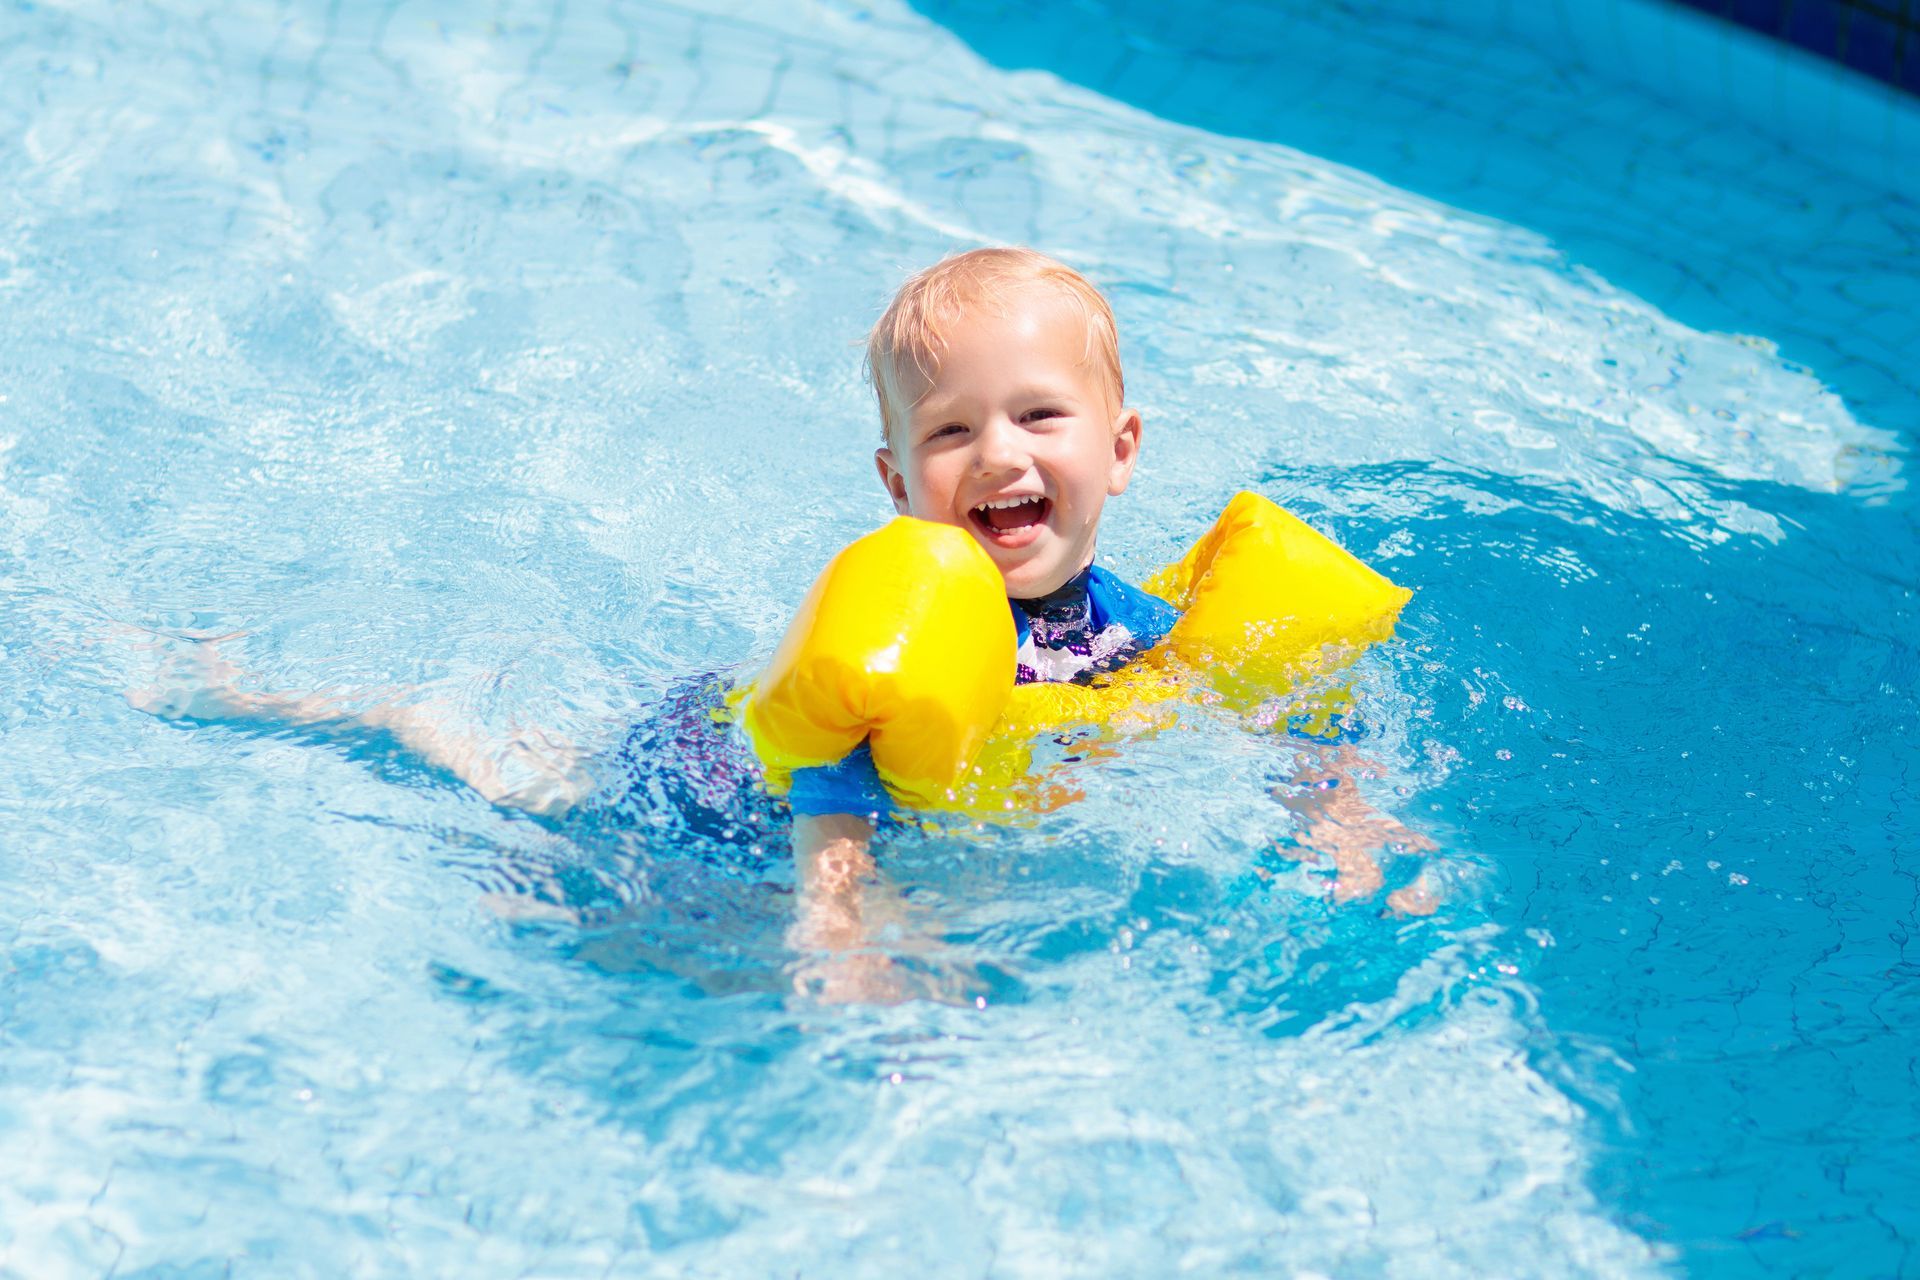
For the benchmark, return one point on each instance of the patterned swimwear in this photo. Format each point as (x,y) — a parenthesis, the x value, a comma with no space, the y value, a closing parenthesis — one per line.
(687,776)
(1094,624)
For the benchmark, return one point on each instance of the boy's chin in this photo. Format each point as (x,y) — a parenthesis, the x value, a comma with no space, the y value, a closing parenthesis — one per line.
(1037,569)
(1031,580)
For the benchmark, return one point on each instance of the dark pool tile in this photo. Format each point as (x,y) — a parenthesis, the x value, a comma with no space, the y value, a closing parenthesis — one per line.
(1872,42)
(1769,16)
(1155,74)
(1879,38)
(1591,33)
(1815,25)
(1647,39)
(1270,24)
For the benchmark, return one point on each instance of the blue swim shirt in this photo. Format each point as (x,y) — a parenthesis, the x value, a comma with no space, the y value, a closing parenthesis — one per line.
(1094,624)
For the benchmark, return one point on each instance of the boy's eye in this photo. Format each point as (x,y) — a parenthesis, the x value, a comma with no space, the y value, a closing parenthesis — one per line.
(1039,415)
(946,429)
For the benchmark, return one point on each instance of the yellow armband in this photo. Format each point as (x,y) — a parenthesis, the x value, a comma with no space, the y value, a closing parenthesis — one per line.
(1266,601)
(906,642)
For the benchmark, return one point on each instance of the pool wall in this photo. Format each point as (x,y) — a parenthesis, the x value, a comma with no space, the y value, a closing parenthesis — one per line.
(1727,72)
(1873,38)
(1736,211)
(1808,74)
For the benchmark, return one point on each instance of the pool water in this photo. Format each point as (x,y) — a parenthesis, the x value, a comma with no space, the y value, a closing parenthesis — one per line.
(514,358)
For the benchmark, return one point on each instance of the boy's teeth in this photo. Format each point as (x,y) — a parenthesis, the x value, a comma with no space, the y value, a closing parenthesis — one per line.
(1004,515)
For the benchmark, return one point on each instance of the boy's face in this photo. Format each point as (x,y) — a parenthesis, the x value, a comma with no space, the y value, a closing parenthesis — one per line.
(1016,441)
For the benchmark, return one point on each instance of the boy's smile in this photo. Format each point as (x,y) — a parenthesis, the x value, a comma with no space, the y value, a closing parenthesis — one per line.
(1016,439)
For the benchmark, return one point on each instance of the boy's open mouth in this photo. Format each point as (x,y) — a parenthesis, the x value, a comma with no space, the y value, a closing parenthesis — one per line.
(1006,518)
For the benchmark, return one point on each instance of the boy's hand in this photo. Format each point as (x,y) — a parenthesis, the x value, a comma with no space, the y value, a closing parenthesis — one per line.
(1417,899)
(1340,827)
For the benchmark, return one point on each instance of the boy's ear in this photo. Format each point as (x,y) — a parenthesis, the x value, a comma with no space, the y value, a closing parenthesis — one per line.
(1126,451)
(891,477)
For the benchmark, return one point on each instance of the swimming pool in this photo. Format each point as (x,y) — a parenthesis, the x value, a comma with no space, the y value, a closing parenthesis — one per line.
(515,357)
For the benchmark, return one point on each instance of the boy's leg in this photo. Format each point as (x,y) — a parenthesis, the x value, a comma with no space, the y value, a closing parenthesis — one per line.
(532,770)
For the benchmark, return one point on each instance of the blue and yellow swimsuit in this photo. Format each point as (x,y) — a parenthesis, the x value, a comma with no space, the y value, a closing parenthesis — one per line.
(683,778)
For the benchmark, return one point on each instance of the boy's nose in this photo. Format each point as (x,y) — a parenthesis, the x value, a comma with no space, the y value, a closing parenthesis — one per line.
(1002,447)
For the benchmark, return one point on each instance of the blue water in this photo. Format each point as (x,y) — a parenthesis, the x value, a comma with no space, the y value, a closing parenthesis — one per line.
(513,359)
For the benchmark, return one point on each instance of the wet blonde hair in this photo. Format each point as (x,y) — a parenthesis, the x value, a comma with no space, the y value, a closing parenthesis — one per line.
(909,335)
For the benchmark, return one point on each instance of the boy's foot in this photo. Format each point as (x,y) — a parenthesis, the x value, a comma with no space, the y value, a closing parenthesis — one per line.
(192,680)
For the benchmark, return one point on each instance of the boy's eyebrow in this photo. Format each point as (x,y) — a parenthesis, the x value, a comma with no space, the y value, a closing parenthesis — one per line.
(934,405)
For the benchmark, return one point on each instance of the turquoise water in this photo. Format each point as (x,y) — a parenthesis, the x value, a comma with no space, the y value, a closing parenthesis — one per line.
(514,358)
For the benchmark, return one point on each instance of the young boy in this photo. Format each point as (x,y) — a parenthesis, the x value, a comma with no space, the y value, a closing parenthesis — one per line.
(1003,413)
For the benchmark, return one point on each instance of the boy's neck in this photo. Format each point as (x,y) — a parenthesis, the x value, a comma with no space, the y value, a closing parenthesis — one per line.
(1076,585)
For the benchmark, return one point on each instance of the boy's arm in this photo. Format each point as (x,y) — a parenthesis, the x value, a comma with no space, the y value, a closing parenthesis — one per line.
(841,901)
(834,867)
(842,905)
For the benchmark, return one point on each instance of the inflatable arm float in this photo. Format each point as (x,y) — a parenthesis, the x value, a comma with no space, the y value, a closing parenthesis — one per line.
(906,642)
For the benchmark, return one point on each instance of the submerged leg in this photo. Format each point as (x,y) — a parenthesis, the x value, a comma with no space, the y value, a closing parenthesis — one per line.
(530,770)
